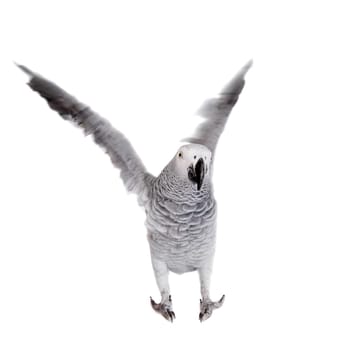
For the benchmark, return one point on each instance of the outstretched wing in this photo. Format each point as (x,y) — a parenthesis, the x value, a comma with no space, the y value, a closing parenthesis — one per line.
(216,110)
(116,145)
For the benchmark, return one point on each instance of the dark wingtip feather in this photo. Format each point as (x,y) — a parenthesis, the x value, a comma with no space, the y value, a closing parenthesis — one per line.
(248,65)
(216,110)
(237,82)
(25,69)
(245,68)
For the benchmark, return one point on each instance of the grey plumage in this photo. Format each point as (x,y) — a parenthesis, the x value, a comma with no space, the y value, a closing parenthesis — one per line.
(179,203)
(116,145)
(216,110)
(181,223)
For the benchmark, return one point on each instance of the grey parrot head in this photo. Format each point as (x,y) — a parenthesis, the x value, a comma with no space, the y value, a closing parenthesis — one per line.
(192,163)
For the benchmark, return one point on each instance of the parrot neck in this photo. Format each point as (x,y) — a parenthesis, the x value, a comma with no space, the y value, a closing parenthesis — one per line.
(177,189)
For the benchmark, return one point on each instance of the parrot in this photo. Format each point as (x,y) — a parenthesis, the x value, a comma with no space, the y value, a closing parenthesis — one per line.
(179,203)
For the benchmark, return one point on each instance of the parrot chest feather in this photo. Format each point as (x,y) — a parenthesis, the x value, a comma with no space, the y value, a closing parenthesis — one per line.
(182,233)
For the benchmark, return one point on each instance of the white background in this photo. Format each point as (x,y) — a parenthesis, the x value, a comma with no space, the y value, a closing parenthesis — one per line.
(75,271)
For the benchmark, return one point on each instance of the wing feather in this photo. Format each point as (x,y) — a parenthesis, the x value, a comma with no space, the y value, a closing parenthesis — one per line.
(216,111)
(116,145)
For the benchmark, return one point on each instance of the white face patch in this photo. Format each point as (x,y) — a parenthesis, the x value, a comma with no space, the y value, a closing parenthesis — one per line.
(188,156)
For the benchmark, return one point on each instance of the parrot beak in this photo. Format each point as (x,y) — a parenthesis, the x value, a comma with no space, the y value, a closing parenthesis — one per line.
(196,174)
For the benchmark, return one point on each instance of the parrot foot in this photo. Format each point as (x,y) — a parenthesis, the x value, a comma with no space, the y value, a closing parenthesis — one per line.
(207,307)
(164,308)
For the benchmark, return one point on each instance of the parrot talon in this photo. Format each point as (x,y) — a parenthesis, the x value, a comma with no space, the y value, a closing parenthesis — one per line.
(165,309)
(207,307)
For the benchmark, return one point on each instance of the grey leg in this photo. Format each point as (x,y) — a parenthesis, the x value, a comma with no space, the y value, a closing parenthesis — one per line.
(161,273)
(207,306)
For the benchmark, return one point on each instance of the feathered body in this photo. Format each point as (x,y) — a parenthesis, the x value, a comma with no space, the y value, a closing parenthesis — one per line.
(181,223)
(179,203)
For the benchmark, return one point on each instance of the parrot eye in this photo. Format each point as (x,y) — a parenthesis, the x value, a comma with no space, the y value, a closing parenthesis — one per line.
(180,154)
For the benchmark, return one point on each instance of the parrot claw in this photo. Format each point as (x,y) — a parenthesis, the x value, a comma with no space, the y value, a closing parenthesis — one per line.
(165,309)
(207,307)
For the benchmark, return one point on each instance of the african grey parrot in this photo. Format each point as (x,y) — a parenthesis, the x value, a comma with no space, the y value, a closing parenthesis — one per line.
(179,203)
